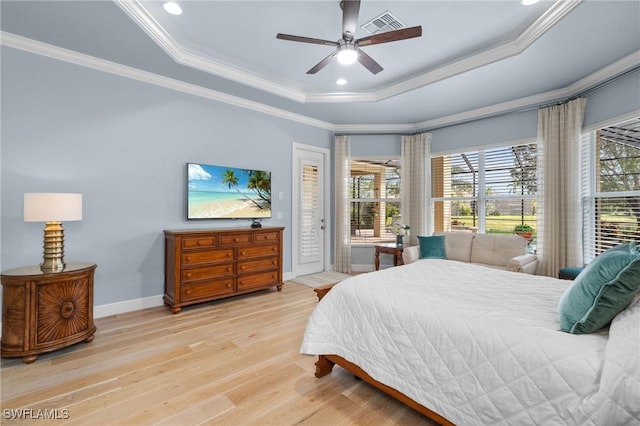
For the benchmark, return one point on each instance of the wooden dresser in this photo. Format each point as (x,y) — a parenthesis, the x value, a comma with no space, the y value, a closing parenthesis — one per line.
(208,264)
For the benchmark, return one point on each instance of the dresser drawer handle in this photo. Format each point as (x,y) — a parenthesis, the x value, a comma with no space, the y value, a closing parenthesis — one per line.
(188,258)
(228,269)
(188,274)
(228,254)
(228,285)
(243,253)
(188,292)
(243,267)
(273,262)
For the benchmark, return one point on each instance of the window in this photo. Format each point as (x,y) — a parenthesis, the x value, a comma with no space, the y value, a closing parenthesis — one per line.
(490,191)
(611,186)
(375,199)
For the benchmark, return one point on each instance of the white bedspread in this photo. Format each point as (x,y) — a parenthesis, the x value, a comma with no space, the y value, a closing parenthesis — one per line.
(481,346)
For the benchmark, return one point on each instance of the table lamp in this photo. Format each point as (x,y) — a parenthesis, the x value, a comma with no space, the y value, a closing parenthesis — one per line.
(52,208)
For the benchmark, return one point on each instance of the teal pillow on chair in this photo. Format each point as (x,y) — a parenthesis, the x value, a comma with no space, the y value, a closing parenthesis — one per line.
(432,247)
(603,290)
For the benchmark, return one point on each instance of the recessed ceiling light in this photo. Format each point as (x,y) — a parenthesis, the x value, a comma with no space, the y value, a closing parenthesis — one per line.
(172,8)
(529,2)
(341,82)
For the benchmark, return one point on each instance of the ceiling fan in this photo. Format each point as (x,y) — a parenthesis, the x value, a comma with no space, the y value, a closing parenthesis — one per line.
(349,50)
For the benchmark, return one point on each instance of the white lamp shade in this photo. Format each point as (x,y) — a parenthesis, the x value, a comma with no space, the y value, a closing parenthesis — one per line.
(52,207)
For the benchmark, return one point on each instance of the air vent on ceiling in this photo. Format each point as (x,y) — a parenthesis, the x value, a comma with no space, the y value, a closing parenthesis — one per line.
(383,23)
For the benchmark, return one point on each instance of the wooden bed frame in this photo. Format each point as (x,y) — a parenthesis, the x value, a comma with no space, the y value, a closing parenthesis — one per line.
(325,364)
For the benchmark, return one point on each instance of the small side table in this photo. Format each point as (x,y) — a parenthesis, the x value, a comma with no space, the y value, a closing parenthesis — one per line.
(389,248)
(42,312)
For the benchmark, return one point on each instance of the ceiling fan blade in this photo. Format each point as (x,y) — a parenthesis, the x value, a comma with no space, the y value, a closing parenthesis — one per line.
(350,11)
(390,36)
(306,39)
(368,62)
(323,63)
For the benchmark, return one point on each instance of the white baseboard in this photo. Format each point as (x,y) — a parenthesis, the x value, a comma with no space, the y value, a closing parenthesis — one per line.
(127,306)
(362,267)
(142,303)
(137,304)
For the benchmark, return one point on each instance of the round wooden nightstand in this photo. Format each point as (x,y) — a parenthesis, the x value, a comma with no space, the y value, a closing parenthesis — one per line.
(42,312)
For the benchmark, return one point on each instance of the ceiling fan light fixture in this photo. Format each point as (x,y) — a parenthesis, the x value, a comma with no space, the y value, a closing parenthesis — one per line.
(341,82)
(347,55)
(529,2)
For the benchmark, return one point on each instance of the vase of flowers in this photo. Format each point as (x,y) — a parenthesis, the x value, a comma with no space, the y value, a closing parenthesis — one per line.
(401,230)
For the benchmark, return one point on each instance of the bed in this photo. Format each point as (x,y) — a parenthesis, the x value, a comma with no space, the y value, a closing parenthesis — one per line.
(465,344)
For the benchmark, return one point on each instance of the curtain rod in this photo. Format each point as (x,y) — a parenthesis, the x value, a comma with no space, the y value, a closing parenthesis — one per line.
(515,111)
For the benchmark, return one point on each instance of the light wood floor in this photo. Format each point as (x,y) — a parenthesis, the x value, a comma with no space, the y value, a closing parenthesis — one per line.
(233,362)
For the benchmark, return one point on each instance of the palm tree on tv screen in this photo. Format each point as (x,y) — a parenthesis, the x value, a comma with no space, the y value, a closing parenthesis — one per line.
(259,182)
(229,177)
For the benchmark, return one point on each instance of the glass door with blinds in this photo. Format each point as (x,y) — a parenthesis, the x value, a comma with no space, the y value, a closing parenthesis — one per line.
(309,215)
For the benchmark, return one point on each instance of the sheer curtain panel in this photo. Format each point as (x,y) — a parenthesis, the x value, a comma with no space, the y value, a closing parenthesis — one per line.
(559,202)
(342,152)
(416,173)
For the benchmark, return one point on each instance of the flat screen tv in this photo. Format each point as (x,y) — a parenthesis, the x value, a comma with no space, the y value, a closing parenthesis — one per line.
(217,192)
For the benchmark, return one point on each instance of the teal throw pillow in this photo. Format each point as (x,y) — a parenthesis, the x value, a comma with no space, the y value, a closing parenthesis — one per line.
(603,290)
(432,247)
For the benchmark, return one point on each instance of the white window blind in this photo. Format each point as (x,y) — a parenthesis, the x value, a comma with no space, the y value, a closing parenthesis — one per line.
(491,191)
(310,247)
(611,186)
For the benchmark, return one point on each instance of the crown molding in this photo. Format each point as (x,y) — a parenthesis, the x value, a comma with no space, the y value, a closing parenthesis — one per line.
(66,55)
(625,64)
(149,25)
(143,18)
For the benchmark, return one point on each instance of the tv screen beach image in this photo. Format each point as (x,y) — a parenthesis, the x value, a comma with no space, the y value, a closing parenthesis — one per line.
(215,192)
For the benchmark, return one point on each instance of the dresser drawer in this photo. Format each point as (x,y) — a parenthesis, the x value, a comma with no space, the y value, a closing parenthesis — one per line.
(209,256)
(234,240)
(258,265)
(258,251)
(193,274)
(202,290)
(264,237)
(195,242)
(257,280)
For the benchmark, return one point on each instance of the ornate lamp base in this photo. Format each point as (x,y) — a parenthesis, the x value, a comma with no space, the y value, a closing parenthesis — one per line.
(53,258)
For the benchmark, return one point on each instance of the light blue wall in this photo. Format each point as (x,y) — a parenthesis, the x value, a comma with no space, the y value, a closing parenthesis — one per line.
(613,100)
(375,145)
(490,131)
(124,144)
